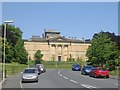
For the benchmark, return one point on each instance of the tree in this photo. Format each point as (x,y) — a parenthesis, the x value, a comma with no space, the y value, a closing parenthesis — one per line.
(38,57)
(0,49)
(15,51)
(20,52)
(103,51)
(8,51)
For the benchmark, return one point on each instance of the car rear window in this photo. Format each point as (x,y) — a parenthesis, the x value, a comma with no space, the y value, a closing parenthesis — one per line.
(89,67)
(29,71)
(77,65)
(103,69)
(94,68)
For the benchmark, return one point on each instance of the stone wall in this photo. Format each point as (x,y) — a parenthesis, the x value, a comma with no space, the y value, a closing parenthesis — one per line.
(56,50)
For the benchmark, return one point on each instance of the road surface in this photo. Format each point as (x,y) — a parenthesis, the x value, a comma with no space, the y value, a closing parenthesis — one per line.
(61,79)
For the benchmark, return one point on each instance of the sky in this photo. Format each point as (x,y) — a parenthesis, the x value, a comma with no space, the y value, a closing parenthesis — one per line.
(72,19)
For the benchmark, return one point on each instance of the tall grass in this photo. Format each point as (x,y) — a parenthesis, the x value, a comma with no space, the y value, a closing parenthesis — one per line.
(14,68)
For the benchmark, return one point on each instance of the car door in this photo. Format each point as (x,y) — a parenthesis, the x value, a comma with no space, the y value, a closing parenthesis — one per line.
(94,71)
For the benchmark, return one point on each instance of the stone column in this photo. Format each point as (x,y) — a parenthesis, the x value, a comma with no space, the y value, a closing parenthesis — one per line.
(50,52)
(68,52)
(62,52)
(56,53)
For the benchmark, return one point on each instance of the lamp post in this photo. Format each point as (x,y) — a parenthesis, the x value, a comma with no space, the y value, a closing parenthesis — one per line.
(28,61)
(5,23)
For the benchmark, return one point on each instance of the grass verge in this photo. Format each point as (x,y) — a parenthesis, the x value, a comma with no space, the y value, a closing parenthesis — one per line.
(14,68)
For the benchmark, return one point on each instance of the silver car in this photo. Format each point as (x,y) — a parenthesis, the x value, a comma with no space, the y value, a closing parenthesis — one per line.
(30,74)
(41,67)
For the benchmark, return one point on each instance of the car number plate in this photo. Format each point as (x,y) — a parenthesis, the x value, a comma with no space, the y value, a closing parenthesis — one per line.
(103,75)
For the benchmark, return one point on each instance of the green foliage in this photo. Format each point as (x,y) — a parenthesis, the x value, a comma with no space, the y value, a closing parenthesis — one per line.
(13,34)
(70,59)
(15,51)
(14,68)
(38,57)
(1,42)
(20,52)
(0,49)
(102,51)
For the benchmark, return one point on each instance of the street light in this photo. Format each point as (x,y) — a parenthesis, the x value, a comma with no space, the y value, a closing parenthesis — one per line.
(28,60)
(5,22)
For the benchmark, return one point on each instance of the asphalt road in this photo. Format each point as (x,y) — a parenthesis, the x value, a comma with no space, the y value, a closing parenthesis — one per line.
(61,79)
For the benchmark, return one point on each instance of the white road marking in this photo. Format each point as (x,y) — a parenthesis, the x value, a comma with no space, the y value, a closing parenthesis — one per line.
(21,85)
(58,72)
(1,85)
(73,81)
(87,86)
(60,75)
(65,77)
(116,84)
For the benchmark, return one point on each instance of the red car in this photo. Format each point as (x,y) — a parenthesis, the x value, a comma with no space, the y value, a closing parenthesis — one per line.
(99,72)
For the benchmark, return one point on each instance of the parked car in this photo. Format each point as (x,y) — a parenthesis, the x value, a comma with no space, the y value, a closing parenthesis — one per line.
(30,74)
(86,69)
(38,70)
(41,67)
(76,67)
(99,72)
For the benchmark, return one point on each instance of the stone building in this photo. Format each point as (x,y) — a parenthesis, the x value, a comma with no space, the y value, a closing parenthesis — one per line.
(53,46)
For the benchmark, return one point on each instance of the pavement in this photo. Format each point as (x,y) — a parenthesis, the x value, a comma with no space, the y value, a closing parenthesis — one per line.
(62,79)
(115,77)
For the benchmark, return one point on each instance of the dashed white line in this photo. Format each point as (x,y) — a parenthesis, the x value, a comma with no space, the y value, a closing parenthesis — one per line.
(58,72)
(65,77)
(84,85)
(73,81)
(21,85)
(87,86)
(116,84)
(60,75)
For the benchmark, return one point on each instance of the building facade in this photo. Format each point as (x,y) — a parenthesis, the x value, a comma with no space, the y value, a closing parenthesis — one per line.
(55,47)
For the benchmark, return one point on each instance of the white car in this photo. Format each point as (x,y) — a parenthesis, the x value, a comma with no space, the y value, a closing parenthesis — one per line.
(30,74)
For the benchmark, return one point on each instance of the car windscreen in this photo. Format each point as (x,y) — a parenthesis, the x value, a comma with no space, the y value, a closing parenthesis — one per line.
(103,69)
(76,65)
(40,65)
(88,67)
(29,71)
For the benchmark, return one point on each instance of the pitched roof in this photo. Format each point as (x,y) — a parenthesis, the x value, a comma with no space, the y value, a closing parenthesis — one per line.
(57,39)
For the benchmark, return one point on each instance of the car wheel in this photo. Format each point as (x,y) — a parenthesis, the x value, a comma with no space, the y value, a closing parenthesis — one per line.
(82,73)
(36,80)
(95,76)
(107,76)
